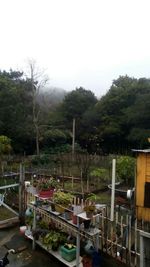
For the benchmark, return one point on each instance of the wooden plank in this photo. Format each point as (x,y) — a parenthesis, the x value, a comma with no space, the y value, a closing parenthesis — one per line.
(141,168)
(9,222)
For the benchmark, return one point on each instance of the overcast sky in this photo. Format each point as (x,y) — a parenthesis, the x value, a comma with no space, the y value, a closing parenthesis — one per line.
(79,42)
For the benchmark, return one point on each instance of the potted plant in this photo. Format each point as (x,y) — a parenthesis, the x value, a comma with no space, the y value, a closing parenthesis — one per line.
(68,252)
(62,200)
(46,187)
(89,207)
(87,261)
(54,239)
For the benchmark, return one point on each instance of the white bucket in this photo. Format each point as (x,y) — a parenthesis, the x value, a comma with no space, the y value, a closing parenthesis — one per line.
(23,229)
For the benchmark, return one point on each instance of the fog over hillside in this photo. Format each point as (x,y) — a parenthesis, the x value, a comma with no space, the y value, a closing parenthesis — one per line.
(51,96)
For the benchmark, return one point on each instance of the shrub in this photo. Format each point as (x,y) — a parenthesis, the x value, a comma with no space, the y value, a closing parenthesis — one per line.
(125,169)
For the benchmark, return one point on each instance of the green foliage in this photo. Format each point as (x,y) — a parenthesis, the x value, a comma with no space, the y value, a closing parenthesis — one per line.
(63,198)
(118,122)
(47,183)
(91,197)
(90,203)
(77,102)
(43,225)
(43,159)
(5,145)
(101,173)
(54,239)
(15,109)
(125,169)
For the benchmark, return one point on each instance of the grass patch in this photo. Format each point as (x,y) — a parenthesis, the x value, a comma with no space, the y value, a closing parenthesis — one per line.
(5,214)
(77,186)
(104,198)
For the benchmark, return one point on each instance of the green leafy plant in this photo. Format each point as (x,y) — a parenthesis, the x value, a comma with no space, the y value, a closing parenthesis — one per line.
(69,246)
(47,184)
(90,203)
(29,220)
(125,169)
(43,225)
(63,198)
(54,239)
(91,197)
(89,208)
(100,173)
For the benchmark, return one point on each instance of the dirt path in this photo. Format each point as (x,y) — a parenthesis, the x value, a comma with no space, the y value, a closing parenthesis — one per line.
(11,238)
(6,237)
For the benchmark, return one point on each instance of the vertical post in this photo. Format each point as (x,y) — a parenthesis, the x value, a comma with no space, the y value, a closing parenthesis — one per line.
(72,182)
(141,251)
(112,202)
(104,241)
(78,243)
(21,193)
(34,227)
(129,239)
(116,231)
(135,241)
(113,189)
(73,137)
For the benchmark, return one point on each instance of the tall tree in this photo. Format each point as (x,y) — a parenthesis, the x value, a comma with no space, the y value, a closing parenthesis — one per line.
(5,148)
(37,80)
(74,106)
(77,102)
(112,128)
(15,109)
(123,114)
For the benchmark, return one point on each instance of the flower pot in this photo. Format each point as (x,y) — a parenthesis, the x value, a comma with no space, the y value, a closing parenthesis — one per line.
(59,208)
(86,224)
(74,219)
(47,193)
(67,215)
(87,261)
(68,254)
(89,214)
(23,229)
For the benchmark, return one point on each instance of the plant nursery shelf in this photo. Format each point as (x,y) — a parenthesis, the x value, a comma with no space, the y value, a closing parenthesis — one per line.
(57,255)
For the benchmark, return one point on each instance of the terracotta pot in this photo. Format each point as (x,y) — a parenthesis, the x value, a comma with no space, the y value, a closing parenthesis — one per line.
(46,193)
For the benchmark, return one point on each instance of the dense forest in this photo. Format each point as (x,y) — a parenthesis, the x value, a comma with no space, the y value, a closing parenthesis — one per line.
(40,121)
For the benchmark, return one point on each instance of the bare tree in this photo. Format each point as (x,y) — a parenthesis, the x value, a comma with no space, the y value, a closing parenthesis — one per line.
(38,80)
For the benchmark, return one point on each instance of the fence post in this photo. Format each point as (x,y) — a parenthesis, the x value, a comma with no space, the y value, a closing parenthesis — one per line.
(113,190)
(21,194)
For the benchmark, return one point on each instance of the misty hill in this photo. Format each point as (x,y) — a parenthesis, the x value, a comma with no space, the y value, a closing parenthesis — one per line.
(51,96)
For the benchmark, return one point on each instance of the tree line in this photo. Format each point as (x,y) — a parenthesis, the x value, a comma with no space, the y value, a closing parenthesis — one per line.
(36,121)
